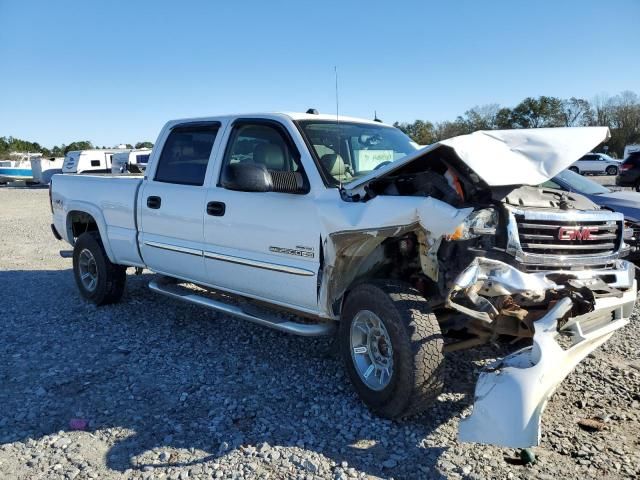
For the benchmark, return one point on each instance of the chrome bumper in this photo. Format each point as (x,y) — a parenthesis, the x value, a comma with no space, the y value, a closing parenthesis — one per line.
(512,393)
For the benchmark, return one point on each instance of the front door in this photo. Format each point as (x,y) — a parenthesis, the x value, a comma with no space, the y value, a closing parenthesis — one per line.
(263,244)
(172,202)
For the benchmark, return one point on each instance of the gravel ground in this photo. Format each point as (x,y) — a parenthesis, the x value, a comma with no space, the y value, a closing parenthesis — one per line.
(151,388)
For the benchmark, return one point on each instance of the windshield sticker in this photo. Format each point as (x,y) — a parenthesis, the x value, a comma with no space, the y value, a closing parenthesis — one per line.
(370,159)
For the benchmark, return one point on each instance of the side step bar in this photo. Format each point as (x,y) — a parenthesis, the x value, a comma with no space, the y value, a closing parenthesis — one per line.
(174,290)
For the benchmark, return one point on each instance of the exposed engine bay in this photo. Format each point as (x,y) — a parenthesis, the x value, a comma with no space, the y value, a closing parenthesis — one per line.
(478,287)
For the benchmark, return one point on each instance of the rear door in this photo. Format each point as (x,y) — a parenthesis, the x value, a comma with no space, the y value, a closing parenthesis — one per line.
(263,244)
(172,202)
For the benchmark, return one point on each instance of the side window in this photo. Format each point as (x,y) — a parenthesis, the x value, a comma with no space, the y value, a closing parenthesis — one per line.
(263,146)
(186,153)
(95,163)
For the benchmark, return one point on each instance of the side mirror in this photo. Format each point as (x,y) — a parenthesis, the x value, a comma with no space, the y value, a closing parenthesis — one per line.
(247,177)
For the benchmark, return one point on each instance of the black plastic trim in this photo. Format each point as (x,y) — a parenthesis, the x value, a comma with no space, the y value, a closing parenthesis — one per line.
(55,232)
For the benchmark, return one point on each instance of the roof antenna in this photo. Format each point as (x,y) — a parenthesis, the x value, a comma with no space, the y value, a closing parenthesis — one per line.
(375,117)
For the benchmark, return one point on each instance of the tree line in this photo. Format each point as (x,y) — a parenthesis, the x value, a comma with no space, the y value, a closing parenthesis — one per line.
(621,113)
(11,144)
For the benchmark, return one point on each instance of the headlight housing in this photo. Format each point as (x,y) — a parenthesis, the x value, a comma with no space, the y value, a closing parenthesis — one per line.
(478,223)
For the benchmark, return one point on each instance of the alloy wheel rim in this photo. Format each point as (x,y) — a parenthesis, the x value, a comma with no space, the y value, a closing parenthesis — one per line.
(88,270)
(371,350)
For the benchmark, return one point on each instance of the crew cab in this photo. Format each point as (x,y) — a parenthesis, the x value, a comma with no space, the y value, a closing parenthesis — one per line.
(322,225)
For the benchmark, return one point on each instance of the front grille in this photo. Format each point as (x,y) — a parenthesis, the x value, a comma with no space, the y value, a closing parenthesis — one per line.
(569,238)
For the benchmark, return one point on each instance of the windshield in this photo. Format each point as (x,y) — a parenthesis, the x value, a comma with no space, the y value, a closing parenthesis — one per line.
(576,183)
(348,150)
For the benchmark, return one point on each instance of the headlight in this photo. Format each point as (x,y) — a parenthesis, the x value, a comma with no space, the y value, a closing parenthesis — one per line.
(479,222)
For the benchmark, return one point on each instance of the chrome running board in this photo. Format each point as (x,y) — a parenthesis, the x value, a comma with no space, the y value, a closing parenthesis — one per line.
(174,290)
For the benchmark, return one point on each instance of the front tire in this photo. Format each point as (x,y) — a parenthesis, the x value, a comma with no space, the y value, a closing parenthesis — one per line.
(392,346)
(612,170)
(574,169)
(99,281)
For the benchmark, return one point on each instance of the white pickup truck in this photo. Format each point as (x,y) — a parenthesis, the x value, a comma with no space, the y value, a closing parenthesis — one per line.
(313,224)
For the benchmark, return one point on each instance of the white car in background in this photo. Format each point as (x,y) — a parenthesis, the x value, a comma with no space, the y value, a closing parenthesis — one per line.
(596,163)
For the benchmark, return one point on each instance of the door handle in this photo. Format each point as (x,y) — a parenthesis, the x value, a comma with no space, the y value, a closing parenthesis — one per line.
(216,209)
(154,202)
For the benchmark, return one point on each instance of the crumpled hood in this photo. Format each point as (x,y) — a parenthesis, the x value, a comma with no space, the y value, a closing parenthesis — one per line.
(510,157)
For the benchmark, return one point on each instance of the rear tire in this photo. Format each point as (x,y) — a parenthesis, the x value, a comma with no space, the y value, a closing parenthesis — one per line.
(99,281)
(574,169)
(612,170)
(414,352)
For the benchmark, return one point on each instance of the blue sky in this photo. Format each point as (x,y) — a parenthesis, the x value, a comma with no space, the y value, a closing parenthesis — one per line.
(115,71)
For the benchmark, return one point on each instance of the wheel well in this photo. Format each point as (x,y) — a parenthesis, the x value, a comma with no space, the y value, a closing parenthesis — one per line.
(79,223)
(395,258)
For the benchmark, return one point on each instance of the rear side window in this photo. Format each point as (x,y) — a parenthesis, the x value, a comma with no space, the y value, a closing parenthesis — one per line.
(186,153)
(633,159)
(142,158)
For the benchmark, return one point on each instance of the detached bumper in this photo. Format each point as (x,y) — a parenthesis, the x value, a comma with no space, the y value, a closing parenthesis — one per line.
(512,393)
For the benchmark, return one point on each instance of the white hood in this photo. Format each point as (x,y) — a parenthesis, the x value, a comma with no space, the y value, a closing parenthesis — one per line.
(511,157)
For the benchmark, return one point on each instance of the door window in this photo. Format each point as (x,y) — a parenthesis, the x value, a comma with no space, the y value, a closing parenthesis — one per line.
(264,144)
(186,153)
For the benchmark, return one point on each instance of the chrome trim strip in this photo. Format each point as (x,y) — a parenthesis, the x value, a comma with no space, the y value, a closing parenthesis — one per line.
(257,264)
(278,323)
(568,215)
(174,248)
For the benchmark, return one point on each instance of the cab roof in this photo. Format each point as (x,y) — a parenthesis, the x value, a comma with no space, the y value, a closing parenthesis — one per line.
(295,116)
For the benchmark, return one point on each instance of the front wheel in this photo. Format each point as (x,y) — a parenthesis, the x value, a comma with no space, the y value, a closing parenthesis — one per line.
(574,169)
(98,280)
(392,348)
(612,170)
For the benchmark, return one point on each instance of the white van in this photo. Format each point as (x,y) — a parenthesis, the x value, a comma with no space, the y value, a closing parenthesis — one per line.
(89,161)
(133,161)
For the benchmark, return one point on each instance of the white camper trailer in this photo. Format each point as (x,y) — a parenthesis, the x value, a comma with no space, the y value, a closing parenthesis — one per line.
(89,161)
(134,161)
(44,168)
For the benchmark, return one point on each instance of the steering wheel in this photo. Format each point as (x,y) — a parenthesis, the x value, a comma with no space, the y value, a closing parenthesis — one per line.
(380,165)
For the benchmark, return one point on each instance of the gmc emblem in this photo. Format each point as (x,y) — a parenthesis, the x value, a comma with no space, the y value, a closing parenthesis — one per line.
(576,233)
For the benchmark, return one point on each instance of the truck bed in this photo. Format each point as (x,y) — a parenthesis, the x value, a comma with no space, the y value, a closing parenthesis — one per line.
(111,200)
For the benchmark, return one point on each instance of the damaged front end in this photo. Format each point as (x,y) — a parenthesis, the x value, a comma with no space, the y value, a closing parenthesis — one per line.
(498,257)
(566,317)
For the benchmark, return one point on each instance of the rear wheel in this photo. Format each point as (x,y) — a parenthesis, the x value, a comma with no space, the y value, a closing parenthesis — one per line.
(612,170)
(574,169)
(98,280)
(391,344)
